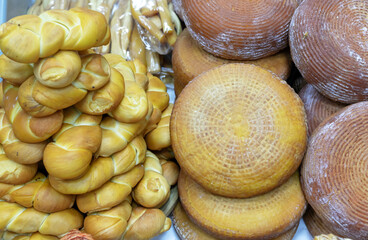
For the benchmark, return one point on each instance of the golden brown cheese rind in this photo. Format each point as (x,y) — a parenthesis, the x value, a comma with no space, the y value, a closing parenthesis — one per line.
(238,130)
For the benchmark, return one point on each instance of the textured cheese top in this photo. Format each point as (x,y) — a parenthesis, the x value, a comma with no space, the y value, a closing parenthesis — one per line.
(329,46)
(238,130)
(241,30)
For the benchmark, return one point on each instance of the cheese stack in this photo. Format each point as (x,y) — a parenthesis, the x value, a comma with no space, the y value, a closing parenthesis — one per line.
(83,117)
(239,135)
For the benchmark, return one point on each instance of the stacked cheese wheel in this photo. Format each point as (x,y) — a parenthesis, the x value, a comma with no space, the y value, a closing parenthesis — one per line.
(225,115)
(324,37)
(238,130)
(74,132)
(239,150)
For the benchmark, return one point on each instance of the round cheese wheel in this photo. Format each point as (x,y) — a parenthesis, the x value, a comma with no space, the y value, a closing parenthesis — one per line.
(238,130)
(187,230)
(242,30)
(190,60)
(328,42)
(334,171)
(262,217)
(317,107)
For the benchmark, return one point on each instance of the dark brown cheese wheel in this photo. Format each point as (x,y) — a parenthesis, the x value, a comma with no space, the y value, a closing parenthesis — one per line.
(189,60)
(329,46)
(241,30)
(334,171)
(317,107)
(238,130)
(314,224)
(262,217)
(187,230)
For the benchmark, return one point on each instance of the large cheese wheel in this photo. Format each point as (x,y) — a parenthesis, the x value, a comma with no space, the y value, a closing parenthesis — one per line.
(190,60)
(238,130)
(328,42)
(334,171)
(317,107)
(263,217)
(187,230)
(242,30)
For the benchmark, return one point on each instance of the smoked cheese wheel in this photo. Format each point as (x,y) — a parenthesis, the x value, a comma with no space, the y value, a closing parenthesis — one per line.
(334,171)
(328,43)
(241,30)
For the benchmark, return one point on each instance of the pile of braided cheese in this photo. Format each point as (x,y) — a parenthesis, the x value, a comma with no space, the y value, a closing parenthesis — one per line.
(75,129)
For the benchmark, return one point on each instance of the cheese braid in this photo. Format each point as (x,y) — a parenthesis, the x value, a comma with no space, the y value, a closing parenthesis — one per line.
(111,193)
(12,172)
(26,236)
(38,194)
(27,38)
(159,138)
(103,169)
(109,224)
(14,72)
(27,128)
(18,219)
(116,135)
(105,99)
(153,190)
(72,149)
(16,150)
(145,224)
